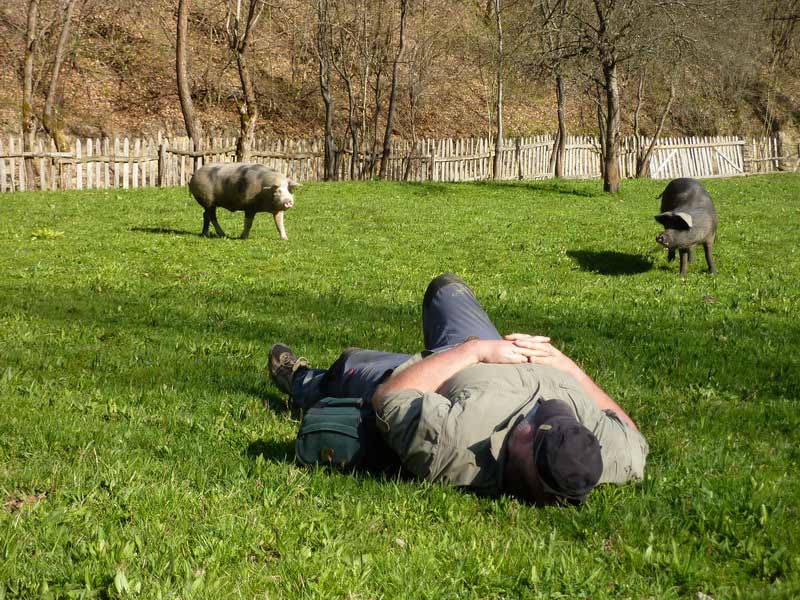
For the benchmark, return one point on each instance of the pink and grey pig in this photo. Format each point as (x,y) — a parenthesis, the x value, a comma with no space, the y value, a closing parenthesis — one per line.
(253,188)
(689,218)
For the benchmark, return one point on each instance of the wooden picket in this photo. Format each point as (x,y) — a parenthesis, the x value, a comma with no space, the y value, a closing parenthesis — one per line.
(125,163)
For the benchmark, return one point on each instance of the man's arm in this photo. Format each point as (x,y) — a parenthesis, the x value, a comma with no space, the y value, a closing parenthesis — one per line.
(430,373)
(544,353)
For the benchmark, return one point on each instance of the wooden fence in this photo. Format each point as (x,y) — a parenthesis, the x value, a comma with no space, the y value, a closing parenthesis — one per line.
(124,163)
(698,157)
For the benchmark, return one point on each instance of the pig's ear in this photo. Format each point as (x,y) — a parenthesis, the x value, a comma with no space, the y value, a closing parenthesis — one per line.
(675,220)
(685,217)
(294,185)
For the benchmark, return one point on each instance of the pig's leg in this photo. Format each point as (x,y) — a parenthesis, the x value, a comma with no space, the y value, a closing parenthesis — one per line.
(690,252)
(709,247)
(248,223)
(684,261)
(279,224)
(206,221)
(210,216)
(670,254)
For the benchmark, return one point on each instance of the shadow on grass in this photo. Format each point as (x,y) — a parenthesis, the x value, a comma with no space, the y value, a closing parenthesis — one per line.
(271,450)
(169,231)
(564,188)
(163,230)
(213,339)
(283,452)
(427,188)
(279,404)
(609,262)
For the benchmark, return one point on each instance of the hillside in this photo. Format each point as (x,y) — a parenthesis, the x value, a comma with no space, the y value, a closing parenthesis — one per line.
(119,77)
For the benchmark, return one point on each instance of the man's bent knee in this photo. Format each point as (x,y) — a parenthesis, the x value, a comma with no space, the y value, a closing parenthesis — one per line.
(438,283)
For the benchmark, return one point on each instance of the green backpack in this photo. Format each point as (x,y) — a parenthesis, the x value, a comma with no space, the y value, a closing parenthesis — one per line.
(341,433)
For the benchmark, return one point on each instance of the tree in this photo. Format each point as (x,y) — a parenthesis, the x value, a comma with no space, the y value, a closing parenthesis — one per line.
(644,152)
(608,54)
(783,17)
(184,92)
(357,40)
(351,37)
(612,32)
(425,50)
(375,61)
(387,137)
(28,119)
(52,120)
(239,29)
(323,47)
(498,139)
(556,49)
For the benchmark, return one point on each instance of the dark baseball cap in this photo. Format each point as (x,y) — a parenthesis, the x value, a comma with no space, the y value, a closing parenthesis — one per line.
(567,454)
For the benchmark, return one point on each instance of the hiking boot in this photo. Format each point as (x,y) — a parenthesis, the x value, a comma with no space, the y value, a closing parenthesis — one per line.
(282,366)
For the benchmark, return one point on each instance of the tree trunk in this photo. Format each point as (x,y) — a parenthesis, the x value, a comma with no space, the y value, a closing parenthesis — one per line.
(342,68)
(611,177)
(323,50)
(637,136)
(248,111)
(239,40)
(329,172)
(352,126)
(370,165)
(498,140)
(387,136)
(601,126)
(193,128)
(28,119)
(551,163)
(52,123)
(560,145)
(412,101)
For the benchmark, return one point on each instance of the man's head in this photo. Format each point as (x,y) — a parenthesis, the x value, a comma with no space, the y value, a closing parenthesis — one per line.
(552,458)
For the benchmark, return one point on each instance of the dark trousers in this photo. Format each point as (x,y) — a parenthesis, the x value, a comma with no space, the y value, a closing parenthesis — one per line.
(450,314)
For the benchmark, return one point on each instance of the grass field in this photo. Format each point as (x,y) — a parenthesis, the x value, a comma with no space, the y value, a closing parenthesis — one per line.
(144,452)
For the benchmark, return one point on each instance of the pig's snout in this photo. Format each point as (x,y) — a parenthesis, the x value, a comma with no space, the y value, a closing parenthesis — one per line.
(284,197)
(663,239)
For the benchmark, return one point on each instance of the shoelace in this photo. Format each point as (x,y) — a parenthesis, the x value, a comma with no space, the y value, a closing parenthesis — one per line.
(285,361)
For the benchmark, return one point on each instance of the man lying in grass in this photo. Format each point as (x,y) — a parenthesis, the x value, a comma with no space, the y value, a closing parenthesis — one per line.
(483,412)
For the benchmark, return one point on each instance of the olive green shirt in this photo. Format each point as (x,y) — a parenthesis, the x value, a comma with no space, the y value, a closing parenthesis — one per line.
(457,434)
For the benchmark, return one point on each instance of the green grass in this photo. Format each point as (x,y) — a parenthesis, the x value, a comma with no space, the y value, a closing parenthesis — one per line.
(143,452)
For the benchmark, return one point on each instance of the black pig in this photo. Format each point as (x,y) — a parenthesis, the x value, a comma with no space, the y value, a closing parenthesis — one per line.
(689,218)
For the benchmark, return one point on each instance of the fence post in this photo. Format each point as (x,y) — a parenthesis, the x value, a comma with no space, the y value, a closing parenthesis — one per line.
(23,174)
(747,155)
(785,151)
(78,165)
(2,169)
(162,162)
(518,155)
